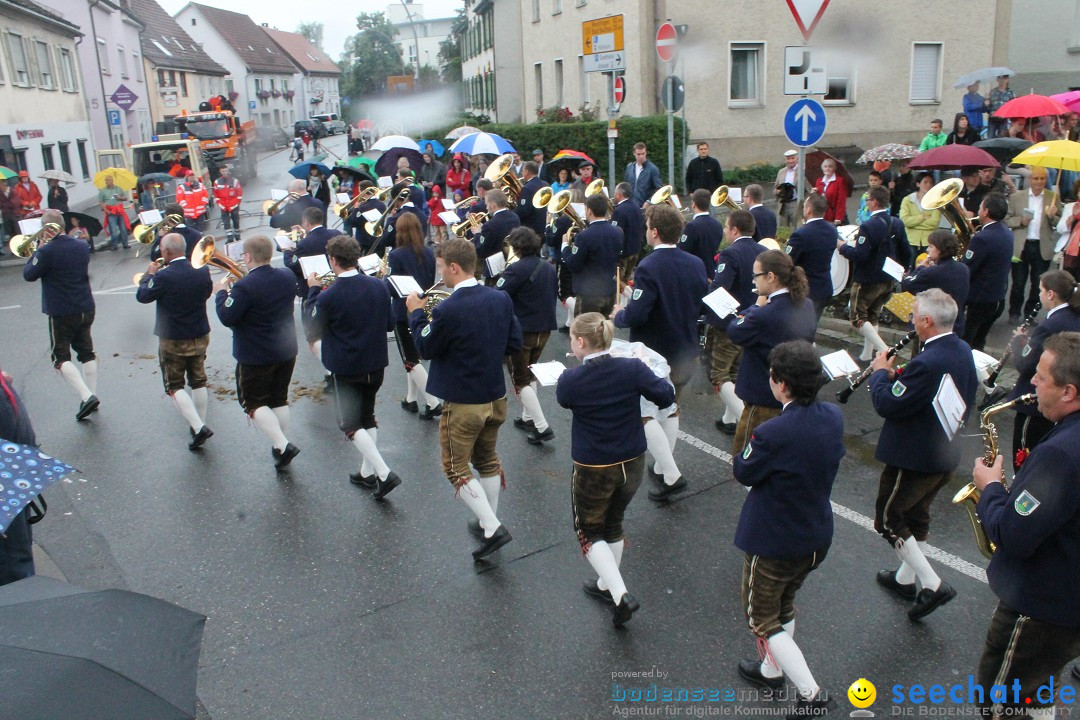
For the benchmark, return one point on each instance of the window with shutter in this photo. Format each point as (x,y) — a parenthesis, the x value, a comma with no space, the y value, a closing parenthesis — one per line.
(45,66)
(925,73)
(16,54)
(103,57)
(29,45)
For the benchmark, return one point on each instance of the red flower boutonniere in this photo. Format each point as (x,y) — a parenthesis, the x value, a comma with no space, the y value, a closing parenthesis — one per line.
(1021,456)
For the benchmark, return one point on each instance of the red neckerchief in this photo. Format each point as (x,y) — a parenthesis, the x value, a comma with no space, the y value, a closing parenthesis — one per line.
(10,394)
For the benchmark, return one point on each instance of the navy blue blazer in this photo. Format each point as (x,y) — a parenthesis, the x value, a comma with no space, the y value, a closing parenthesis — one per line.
(469,335)
(880,237)
(812,247)
(260,312)
(666,304)
(758,330)
(951,277)
(1026,352)
(493,234)
(605,395)
(62,265)
(764,222)
(553,235)
(531,217)
(911,437)
(351,317)
(735,273)
(989,258)
(534,287)
(191,239)
(790,464)
(1035,525)
(702,237)
(403,261)
(181,293)
(593,258)
(293,211)
(389,237)
(629,218)
(355,222)
(645,184)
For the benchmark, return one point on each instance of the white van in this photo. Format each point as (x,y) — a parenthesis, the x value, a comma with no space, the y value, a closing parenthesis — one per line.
(333,123)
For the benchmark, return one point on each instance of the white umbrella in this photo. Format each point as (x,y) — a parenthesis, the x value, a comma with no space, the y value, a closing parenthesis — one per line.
(987,74)
(461,132)
(395,141)
(58,175)
(482,143)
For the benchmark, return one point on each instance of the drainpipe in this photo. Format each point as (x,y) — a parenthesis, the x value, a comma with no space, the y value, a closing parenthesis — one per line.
(101,80)
(416,40)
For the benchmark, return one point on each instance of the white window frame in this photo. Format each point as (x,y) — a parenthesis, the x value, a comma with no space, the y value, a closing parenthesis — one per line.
(121,56)
(103,56)
(46,73)
(20,77)
(852,73)
(556,7)
(136,61)
(538,78)
(936,100)
(560,84)
(536,11)
(584,79)
(761,47)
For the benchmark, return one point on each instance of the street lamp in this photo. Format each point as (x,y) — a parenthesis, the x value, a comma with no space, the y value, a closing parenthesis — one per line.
(391,40)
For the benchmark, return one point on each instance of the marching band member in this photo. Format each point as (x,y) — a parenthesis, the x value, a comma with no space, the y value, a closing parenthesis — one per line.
(783,312)
(662,313)
(703,235)
(1060,297)
(350,320)
(355,223)
(531,217)
(259,309)
(62,264)
(812,247)
(466,339)
(412,257)
(786,525)
(193,198)
(553,236)
(191,235)
(416,204)
(940,269)
(1035,525)
(608,448)
(628,218)
(291,212)
(918,455)
(229,194)
(180,293)
(592,257)
(493,233)
(989,258)
(734,273)
(531,284)
(313,243)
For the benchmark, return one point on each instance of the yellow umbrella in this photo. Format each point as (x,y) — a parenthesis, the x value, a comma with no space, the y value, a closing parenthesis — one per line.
(1060,154)
(123,179)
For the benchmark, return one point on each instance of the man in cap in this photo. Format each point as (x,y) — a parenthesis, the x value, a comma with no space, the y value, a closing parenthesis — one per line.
(787,190)
(541,167)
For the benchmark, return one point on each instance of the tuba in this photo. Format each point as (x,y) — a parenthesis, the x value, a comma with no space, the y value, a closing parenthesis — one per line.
(25,245)
(721,196)
(146,234)
(501,174)
(945,196)
(206,254)
(560,205)
(597,186)
(969,494)
(376,229)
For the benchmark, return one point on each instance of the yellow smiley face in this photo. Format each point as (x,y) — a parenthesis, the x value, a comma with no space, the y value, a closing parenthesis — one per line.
(862,693)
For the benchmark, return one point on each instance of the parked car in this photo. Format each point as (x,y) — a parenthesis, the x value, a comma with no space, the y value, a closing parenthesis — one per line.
(271,138)
(333,123)
(311,125)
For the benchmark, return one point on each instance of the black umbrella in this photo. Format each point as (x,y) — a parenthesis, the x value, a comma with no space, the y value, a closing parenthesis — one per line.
(358,174)
(1004,149)
(67,652)
(387,162)
(92,224)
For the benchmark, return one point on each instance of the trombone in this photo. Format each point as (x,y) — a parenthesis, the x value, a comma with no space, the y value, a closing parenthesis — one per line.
(722,196)
(270,207)
(597,186)
(205,253)
(25,245)
(342,210)
(146,234)
(501,174)
(376,229)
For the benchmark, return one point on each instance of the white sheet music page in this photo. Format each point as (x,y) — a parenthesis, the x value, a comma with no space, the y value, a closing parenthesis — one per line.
(317,264)
(403,285)
(547,373)
(369,264)
(721,302)
(839,364)
(949,406)
(893,269)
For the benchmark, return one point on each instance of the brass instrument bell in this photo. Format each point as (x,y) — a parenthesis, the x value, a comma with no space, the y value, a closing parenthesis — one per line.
(24,245)
(945,196)
(206,253)
(722,196)
(597,186)
(501,174)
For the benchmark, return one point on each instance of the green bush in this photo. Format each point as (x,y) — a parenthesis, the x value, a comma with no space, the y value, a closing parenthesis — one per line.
(762,173)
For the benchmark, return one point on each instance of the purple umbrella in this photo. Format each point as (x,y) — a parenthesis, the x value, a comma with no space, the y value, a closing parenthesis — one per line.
(387,162)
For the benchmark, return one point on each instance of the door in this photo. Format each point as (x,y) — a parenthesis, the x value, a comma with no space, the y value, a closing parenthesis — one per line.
(111,158)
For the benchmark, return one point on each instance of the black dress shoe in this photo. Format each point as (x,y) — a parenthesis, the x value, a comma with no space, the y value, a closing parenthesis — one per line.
(750,670)
(361,480)
(283,457)
(524,424)
(410,406)
(200,437)
(564,329)
(626,608)
(656,477)
(493,543)
(814,708)
(87,406)
(535,437)
(592,589)
(431,413)
(726,428)
(664,493)
(929,600)
(475,529)
(887,580)
(383,487)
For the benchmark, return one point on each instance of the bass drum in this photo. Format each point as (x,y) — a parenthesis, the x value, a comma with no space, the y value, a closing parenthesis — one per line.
(841,266)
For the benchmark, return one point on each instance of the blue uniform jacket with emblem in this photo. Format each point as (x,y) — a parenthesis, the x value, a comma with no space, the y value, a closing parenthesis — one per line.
(191,239)
(989,258)
(666,304)
(260,312)
(62,265)
(314,243)
(735,273)
(631,221)
(534,287)
(469,334)
(553,235)
(293,211)
(352,317)
(702,237)
(790,464)
(389,236)
(880,237)
(181,292)
(356,222)
(764,222)
(812,247)
(493,234)
(912,437)
(951,277)
(605,396)
(1035,525)
(530,216)
(403,261)
(758,331)
(593,258)
(1026,351)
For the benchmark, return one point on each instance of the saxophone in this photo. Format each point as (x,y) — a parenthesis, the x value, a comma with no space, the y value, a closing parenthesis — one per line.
(969,494)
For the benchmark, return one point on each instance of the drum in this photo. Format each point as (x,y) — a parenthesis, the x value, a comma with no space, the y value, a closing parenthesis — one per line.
(841,266)
(769,243)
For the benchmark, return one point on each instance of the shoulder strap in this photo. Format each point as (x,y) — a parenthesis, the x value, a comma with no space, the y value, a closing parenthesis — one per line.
(536,270)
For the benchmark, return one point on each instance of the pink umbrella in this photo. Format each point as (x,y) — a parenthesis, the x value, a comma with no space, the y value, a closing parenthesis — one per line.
(1031,106)
(1069,99)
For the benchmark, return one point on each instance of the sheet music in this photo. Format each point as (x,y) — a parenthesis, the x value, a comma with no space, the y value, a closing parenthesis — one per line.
(284,242)
(949,406)
(317,264)
(276,194)
(386,181)
(450,218)
(448,205)
(371,215)
(547,373)
(735,194)
(839,364)
(579,208)
(149,217)
(343,198)
(893,269)
(495,264)
(675,201)
(721,302)
(369,264)
(234,250)
(29,226)
(982,360)
(403,285)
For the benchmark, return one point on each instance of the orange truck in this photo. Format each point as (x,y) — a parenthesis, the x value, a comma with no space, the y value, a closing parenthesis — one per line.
(223,137)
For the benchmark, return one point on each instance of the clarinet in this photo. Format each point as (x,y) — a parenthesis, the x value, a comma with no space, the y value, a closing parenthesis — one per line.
(843,395)
(991,381)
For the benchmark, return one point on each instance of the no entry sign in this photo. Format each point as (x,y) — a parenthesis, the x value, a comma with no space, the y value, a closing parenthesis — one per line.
(620,90)
(666,42)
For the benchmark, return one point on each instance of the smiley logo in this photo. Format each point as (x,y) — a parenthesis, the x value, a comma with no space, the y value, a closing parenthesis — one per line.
(862,693)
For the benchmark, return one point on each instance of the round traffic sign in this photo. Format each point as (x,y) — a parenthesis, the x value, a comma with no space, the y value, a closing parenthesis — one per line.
(666,42)
(672,93)
(620,90)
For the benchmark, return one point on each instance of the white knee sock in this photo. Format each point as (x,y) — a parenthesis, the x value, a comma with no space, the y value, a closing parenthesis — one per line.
(616,550)
(365,467)
(283,417)
(187,410)
(366,445)
(410,387)
(89,373)
(201,398)
(75,379)
(769,668)
(492,487)
(473,495)
(267,420)
(657,442)
(419,378)
(316,349)
(671,430)
(873,341)
(904,574)
(789,657)
(531,404)
(910,553)
(570,303)
(733,406)
(603,562)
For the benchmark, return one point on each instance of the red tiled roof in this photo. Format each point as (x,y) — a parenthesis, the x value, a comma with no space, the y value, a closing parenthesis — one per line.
(247,40)
(165,44)
(303,52)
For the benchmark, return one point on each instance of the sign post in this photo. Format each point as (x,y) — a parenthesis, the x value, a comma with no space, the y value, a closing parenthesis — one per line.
(804,125)
(667,39)
(602,51)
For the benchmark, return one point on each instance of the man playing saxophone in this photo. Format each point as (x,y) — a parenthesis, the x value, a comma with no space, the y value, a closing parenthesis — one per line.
(1035,526)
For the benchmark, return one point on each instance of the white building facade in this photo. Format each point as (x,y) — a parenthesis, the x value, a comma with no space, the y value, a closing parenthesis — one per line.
(491,73)
(418,38)
(317,78)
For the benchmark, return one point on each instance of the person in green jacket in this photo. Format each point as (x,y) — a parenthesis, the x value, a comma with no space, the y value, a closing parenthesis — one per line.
(918,221)
(935,138)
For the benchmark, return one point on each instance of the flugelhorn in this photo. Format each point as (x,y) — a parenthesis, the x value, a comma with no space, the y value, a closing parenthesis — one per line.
(843,395)
(501,174)
(147,234)
(722,196)
(205,253)
(597,187)
(24,245)
(270,207)
(945,196)
(138,277)
(472,222)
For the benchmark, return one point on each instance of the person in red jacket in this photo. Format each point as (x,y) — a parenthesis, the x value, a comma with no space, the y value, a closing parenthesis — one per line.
(458,176)
(27,195)
(192,196)
(835,189)
(229,194)
(435,206)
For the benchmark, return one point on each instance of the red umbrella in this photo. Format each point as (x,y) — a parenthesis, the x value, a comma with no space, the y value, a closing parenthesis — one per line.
(952,157)
(1031,106)
(813,169)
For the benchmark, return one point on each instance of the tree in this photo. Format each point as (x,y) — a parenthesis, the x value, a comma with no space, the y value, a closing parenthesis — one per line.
(313,31)
(450,49)
(370,56)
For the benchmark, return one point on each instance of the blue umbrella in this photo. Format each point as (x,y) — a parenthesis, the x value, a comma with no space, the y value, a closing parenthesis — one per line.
(435,145)
(25,472)
(302,170)
(482,143)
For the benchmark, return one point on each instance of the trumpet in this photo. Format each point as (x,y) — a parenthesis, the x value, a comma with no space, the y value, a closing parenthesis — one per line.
(146,234)
(25,245)
(376,229)
(501,174)
(595,187)
(843,395)
(138,277)
(467,202)
(205,253)
(945,196)
(295,234)
(560,205)
(342,210)
(472,222)
(721,196)
(272,206)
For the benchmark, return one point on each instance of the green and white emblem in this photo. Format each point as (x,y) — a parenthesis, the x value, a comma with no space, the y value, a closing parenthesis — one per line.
(229,301)
(151,283)
(1025,503)
(969,254)
(746,453)
(862,240)
(682,239)
(1026,351)
(426,331)
(499,282)
(720,267)
(573,250)
(898,388)
(637,294)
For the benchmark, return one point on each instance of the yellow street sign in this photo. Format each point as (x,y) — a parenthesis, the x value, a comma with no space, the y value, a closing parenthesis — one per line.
(602,35)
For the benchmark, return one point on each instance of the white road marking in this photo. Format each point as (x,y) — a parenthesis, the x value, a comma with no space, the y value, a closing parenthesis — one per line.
(10,307)
(935,553)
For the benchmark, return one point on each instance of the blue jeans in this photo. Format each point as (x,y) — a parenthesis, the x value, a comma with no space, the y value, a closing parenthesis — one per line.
(117,231)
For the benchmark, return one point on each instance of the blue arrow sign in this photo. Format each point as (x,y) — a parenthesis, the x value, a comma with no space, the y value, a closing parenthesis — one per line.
(804,122)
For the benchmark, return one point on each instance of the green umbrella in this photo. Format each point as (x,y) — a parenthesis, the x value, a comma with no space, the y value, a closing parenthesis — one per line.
(7,173)
(360,162)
